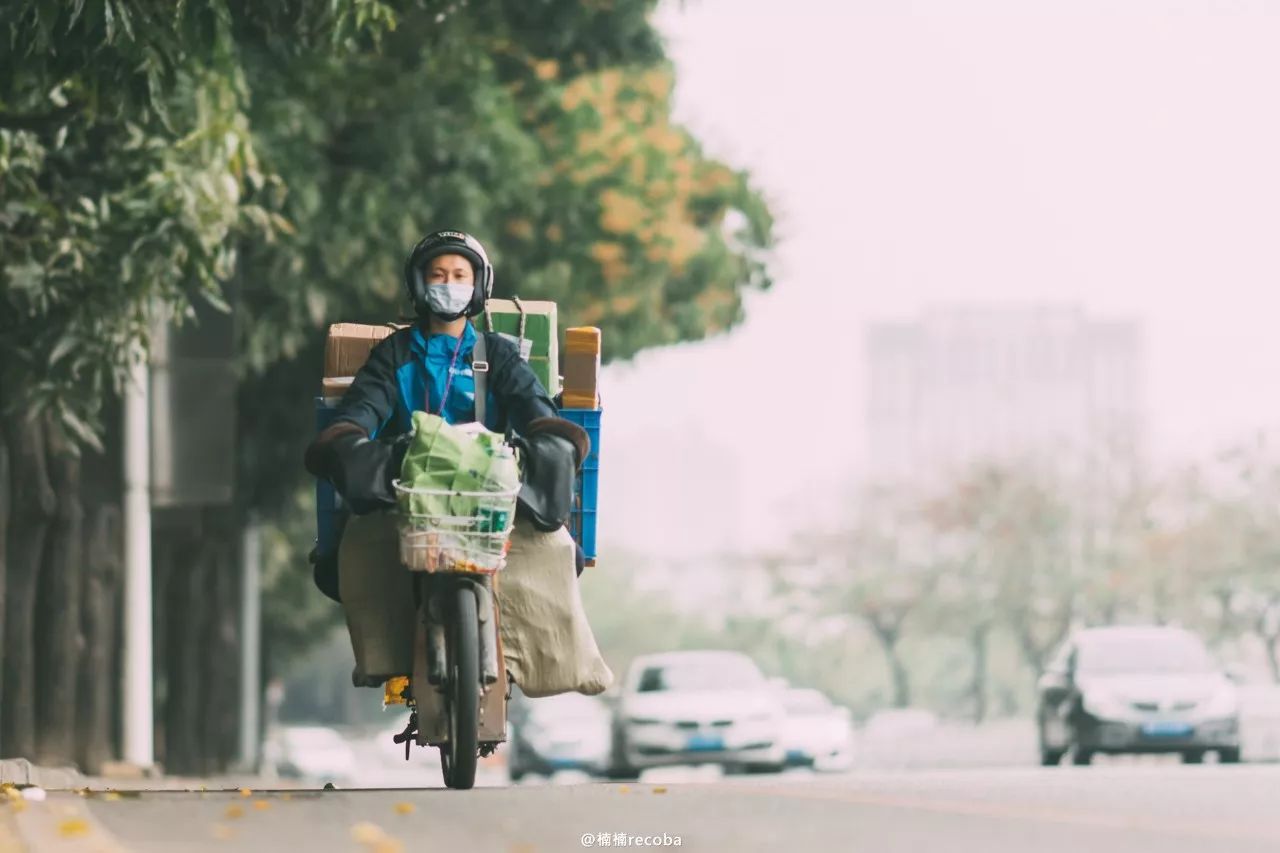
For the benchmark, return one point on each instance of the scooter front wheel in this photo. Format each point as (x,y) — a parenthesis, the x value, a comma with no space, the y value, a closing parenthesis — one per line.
(462,694)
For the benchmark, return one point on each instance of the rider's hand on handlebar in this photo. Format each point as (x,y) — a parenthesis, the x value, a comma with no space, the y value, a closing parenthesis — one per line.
(362,470)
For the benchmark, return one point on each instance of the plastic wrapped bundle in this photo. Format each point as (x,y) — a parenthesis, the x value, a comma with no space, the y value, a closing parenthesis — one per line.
(457,493)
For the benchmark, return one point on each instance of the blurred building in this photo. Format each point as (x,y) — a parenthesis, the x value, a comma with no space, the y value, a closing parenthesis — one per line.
(962,385)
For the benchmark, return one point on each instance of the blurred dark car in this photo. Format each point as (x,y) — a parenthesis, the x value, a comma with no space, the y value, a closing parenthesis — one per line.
(565,732)
(1136,690)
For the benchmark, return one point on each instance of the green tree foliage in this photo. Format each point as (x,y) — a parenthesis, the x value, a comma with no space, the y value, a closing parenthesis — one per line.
(127,177)
(147,147)
(279,158)
(558,152)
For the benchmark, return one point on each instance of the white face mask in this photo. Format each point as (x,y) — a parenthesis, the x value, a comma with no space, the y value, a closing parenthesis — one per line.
(449,300)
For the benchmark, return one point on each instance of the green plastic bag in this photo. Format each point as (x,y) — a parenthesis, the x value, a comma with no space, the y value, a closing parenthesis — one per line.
(449,458)
(430,462)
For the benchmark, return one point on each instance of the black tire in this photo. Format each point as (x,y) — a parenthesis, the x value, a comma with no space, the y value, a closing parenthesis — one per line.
(1193,756)
(1229,756)
(760,769)
(1081,757)
(462,698)
(622,774)
(1049,757)
(619,770)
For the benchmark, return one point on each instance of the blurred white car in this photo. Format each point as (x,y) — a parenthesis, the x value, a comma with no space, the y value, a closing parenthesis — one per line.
(815,733)
(310,753)
(712,707)
(565,732)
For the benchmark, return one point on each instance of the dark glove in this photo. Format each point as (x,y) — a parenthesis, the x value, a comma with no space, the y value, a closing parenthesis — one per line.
(566,429)
(360,469)
(548,469)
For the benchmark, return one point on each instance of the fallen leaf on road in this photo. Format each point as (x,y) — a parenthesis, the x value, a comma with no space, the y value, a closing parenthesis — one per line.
(286,797)
(111,796)
(223,832)
(74,828)
(261,805)
(367,833)
(375,838)
(404,808)
(246,792)
(661,789)
(234,812)
(623,789)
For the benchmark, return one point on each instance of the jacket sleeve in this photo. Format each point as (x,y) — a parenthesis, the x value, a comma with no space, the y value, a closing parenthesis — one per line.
(371,399)
(515,385)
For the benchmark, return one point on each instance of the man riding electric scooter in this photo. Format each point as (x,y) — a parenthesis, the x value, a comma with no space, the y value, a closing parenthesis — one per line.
(430,366)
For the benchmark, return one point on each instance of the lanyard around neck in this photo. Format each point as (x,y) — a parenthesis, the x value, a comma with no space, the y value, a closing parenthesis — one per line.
(448,382)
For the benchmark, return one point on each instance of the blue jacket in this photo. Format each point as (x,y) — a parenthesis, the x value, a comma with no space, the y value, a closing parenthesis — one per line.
(409,370)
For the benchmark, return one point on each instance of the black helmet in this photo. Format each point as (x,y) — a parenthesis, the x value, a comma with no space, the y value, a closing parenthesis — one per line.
(448,243)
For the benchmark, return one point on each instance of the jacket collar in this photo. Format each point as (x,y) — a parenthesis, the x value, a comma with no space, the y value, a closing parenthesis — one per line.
(421,340)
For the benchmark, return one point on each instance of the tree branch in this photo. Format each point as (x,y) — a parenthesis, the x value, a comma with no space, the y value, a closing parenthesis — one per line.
(38,121)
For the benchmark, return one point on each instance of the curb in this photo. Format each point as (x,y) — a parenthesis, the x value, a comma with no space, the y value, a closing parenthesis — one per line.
(20,771)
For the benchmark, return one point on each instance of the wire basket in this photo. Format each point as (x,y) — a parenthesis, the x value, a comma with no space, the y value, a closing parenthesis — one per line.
(444,530)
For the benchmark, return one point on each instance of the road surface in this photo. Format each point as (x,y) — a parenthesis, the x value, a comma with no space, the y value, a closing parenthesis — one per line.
(1116,807)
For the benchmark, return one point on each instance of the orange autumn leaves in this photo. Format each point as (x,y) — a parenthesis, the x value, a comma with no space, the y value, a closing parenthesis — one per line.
(615,136)
(652,202)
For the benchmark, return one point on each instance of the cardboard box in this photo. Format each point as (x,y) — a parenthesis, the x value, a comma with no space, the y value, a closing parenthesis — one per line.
(582,368)
(540,343)
(348,346)
(333,387)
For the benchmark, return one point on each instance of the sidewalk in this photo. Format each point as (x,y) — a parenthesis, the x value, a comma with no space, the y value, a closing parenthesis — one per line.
(20,771)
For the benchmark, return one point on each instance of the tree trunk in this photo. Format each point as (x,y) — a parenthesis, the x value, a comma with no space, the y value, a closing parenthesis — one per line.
(1225,628)
(978,679)
(1272,644)
(221,646)
(29,520)
(185,614)
(99,676)
(4,542)
(1270,639)
(888,633)
(98,663)
(1036,654)
(1032,653)
(58,610)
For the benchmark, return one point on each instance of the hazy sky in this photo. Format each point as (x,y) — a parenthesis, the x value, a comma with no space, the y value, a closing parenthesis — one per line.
(1124,156)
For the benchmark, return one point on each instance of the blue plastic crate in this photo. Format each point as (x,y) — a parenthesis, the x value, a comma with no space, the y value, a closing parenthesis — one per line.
(582,523)
(328,504)
(588,419)
(584,519)
(583,527)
